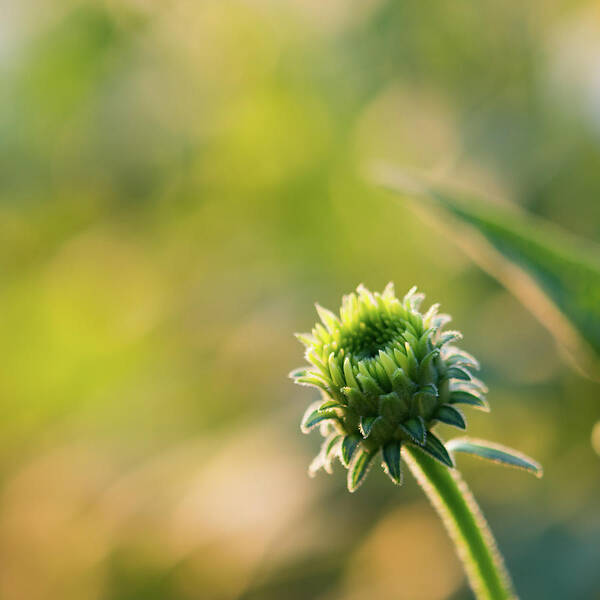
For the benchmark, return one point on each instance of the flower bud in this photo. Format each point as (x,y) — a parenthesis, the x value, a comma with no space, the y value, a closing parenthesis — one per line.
(387,375)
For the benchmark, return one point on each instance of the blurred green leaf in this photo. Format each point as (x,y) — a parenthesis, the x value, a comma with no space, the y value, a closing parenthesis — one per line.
(554,274)
(496,453)
(66,68)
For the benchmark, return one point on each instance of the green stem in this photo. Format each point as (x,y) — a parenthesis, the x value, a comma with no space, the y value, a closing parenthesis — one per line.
(465,523)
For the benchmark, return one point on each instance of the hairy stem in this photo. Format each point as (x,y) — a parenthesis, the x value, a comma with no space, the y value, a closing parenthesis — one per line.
(465,523)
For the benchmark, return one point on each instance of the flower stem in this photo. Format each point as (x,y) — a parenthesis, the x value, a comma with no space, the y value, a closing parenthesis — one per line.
(465,523)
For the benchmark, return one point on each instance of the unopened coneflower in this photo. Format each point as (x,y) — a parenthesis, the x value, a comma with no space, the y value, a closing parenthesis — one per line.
(387,374)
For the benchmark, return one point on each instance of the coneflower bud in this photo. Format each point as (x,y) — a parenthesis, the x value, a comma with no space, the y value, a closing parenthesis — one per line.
(387,374)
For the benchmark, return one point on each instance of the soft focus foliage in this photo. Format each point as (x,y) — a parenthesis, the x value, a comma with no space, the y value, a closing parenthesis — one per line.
(179,183)
(555,275)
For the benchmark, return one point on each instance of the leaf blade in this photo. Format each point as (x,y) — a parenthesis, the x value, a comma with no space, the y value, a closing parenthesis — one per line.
(554,274)
(496,453)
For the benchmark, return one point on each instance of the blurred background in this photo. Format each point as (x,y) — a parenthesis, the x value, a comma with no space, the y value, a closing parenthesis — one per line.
(179,182)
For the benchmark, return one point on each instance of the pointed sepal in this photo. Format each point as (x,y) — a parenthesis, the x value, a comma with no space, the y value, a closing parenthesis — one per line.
(325,456)
(368,385)
(356,400)
(299,372)
(366,425)
(335,371)
(392,407)
(331,444)
(312,380)
(313,416)
(451,416)
(434,447)
(461,358)
(471,398)
(331,404)
(426,401)
(427,372)
(448,336)
(415,429)
(456,372)
(348,447)
(358,469)
(306,339)
(349,374)
(328,318)
(392,463)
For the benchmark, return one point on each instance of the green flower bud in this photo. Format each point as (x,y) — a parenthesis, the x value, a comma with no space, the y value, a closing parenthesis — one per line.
(387,374)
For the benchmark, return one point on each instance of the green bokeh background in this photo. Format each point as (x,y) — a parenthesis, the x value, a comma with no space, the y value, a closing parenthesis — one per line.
(179,183)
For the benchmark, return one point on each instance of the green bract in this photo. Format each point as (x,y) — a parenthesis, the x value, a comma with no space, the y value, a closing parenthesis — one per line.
(387,374)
